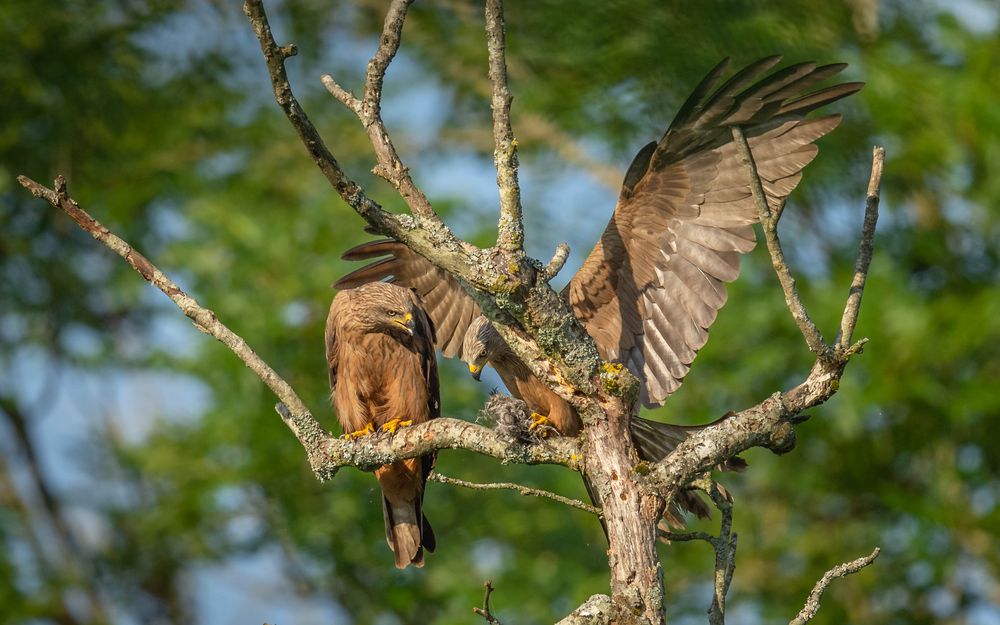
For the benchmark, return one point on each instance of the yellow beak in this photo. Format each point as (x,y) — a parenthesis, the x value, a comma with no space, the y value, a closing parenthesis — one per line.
(476,371)
(405,322)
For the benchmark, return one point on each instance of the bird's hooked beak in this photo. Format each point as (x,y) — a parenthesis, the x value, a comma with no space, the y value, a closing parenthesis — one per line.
(475,370)
(406,322)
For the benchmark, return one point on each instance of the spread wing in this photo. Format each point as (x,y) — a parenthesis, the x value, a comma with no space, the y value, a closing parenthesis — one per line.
(448,306)
(653,284)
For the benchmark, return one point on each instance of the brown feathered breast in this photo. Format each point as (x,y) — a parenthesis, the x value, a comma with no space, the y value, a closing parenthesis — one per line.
(379,371)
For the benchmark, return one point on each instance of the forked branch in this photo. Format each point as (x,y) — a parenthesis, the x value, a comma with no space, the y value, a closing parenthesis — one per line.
(369,111)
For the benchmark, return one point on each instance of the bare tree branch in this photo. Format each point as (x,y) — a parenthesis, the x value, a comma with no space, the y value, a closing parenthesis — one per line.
(769,223)
(725,554)
(485,610)
(372,451)
(724,546)
(842,570)
(597,610)
(510,230)
(558,260)
(519,488)
(349,190)
(850,317)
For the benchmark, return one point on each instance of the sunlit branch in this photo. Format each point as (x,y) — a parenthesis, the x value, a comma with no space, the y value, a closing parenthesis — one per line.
(597,610)
(853,306)
(302,423)
(769,224)
(349,190)
(558,260)
(485,611)
(510,230)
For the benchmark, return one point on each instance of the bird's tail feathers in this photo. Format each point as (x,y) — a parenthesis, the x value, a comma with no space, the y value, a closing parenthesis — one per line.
(403,532)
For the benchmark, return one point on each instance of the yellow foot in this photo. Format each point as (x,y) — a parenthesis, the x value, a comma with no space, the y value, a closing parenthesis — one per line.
(541,423)
(394,424)
(368,429)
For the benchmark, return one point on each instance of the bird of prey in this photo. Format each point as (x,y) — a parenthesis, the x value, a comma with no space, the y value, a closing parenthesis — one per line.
(652,439)
(383,375)
(652,286)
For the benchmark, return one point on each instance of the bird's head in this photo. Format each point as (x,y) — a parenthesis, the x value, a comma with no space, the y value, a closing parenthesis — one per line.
(387,307)
(482,343)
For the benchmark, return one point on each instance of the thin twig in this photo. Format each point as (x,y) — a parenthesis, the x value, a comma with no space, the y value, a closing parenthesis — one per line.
(675,537)
(524,490)
(725,555)
(724,546)
(769,223)
(849,320)
(510,235)
(558,260)
(485,610)
(842,570)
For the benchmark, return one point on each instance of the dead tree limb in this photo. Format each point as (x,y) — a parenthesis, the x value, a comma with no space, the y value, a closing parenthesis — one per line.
(510,230)
(518,488)
(769,224)
(841,570)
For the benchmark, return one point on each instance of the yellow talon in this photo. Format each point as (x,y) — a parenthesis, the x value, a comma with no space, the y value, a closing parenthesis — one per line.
(539,421)
(368,429)
(394,424)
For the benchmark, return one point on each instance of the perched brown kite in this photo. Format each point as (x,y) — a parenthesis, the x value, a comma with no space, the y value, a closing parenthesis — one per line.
(652,286)
(383,374)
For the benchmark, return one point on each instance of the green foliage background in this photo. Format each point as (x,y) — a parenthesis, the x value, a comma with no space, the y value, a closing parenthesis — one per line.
(175,482)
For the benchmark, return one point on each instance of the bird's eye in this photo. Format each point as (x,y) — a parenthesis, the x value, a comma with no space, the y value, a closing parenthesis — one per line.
(482,353)
(392,313)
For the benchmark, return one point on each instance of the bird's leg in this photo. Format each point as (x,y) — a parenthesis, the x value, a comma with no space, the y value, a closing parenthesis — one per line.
(541,423)
(368,429)
(394,424)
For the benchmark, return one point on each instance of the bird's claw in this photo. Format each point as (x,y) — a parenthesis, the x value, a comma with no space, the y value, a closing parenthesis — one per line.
(368,429)
(541,423)
(394,424)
